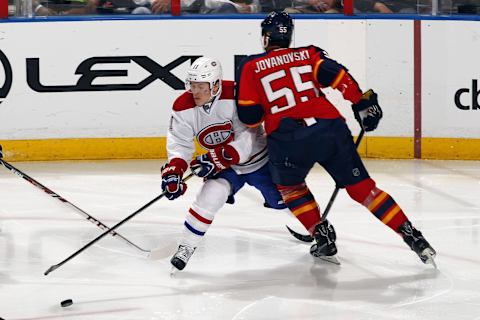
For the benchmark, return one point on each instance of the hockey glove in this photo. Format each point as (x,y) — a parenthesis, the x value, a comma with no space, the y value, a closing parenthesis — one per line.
(172,174)
(367,111)
(215,160)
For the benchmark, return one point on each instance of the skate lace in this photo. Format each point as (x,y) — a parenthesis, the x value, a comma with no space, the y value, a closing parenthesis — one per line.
(408,231)
(184,253)
(324,232)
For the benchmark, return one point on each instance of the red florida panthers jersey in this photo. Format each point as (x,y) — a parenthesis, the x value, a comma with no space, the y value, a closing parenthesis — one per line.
(285,83)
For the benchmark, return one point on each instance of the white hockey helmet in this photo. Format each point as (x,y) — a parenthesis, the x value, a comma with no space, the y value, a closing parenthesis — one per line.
(205,69)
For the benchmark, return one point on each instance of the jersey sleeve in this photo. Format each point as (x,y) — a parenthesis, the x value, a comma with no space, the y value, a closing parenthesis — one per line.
(180,138)
(329,73)
(248,101)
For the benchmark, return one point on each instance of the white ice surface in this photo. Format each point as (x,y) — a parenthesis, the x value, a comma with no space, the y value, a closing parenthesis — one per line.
(248,267)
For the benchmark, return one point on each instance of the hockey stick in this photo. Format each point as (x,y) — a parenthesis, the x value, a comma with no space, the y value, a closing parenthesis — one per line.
(307,237)
(73,255)
(40,186)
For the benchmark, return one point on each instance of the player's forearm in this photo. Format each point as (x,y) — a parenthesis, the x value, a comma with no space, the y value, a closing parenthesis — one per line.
(330,73)
(348,87)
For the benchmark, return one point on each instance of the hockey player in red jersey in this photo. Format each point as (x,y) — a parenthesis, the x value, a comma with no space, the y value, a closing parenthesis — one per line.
(235,154)
(280,87)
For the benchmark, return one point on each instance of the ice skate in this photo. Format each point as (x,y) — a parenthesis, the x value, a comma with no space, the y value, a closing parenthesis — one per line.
(181,257)
(417,243)
(325,247)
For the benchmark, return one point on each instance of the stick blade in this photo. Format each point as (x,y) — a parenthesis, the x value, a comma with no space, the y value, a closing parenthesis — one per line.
(52,268)
(302,237)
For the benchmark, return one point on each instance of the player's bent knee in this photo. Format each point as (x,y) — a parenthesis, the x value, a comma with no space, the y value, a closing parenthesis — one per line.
(213,195)
(360,191)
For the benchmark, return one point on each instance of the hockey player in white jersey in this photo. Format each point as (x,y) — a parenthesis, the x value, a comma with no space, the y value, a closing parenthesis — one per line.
(235,153)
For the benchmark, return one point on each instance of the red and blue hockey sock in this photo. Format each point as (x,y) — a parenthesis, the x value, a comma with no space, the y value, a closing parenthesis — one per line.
(208,202)
(196,224)
(301,202)
(378,202)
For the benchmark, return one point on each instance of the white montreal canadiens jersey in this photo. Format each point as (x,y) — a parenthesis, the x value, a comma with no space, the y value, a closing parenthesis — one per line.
(213,125)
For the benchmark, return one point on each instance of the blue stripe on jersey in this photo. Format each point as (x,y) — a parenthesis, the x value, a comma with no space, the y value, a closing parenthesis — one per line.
(193,230)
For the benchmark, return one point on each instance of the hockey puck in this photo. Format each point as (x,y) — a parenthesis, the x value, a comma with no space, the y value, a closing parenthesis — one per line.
(66,303)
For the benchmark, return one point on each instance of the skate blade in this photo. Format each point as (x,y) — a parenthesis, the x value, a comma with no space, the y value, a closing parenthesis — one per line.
(430,258)
(331,259)
(173,271)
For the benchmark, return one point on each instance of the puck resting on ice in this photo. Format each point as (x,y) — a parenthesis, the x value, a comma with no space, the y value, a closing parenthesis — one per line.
(66,303)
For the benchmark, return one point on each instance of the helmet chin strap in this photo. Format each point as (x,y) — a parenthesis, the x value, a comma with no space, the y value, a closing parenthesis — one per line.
(212,96)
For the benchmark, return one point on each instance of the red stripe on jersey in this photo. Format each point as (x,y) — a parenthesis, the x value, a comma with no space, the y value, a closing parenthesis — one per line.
(199,217)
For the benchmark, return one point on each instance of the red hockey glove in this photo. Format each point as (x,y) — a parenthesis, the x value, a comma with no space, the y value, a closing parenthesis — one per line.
(367,111)
(215,160)
(172,174)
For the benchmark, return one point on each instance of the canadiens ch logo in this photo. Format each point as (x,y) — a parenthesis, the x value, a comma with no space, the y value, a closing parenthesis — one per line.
(216,135)
(7,69)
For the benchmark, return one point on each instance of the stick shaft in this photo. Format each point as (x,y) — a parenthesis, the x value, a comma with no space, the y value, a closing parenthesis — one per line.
(73,255)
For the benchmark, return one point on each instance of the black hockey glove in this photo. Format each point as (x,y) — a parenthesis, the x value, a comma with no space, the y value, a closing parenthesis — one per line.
(172,183)
(367,111)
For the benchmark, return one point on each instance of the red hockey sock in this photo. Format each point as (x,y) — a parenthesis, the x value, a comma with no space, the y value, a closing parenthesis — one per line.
(301,202)
(380,203)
